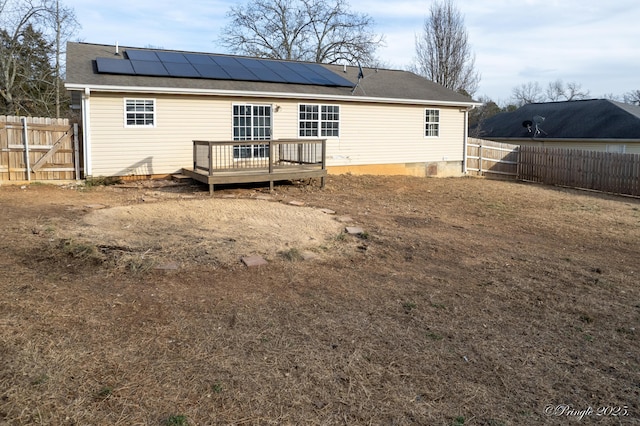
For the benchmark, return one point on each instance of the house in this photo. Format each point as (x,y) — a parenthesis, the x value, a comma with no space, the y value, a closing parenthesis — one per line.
(594,124)
(142,110)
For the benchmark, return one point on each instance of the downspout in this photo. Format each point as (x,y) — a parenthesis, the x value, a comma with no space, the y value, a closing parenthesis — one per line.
(466,136)
(86,130)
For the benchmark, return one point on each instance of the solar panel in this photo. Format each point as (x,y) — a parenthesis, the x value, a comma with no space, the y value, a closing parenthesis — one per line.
(219,67)
(181,70)
(307,71)
(261,71)
(289,75)
(196,58)
(211,70)
(142,55)
(234,68)
(114,66)
(173,57)
(336,79)
(149,68)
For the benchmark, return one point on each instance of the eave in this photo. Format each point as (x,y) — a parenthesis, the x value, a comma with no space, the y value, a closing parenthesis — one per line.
(261,94)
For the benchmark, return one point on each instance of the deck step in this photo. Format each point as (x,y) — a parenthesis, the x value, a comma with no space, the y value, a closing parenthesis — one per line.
(179,177)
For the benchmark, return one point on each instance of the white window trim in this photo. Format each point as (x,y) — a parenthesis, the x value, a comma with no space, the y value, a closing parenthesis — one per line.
(140,126)
(320,121)
(424,123)
(252,142)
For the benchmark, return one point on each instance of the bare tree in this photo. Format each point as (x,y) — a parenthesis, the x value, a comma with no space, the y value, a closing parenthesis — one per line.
(532,92)
(15,18)
(32,33)
(324,31)
(632,97)
(443,54)
(63,23)
(527,93)
(558,91)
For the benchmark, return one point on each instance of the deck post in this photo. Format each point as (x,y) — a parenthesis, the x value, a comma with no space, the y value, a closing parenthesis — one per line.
(211,189)
(270,166)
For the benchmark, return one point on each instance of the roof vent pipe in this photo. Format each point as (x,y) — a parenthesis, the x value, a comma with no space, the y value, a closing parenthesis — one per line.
(344,68)
(117,50)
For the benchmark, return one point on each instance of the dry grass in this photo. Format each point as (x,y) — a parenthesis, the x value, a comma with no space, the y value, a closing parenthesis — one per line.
(470,302)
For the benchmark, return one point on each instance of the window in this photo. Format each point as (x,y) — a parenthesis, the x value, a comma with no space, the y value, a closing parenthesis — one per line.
(432,123)
(319,120)
(140,112)
(251,123)
(620,149)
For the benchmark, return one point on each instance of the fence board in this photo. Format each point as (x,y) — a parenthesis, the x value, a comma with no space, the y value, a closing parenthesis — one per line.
(601,171)
(50,146)
(488,158)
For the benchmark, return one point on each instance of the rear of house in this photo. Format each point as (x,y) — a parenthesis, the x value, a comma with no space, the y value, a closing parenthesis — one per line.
(141,121)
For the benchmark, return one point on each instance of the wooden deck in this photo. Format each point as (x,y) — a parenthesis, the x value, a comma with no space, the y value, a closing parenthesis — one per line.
(217,163)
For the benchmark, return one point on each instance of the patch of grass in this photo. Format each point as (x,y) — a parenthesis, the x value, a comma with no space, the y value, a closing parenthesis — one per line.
(41,379)
(458,421)
(341,236)
(217,387)
(439,305)
(92,182)
(434,336)
(176,420)
(409,306)
(589,338)
(81,250)
(138,265)
(292,255)
(586,319)
(105,392)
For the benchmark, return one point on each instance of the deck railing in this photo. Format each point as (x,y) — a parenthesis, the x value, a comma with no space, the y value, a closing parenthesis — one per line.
(269,156)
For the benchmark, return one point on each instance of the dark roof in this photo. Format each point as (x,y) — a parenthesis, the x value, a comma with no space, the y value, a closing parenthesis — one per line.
(377,83)
(585,119)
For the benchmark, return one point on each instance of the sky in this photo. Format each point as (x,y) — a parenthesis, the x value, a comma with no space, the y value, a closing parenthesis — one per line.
(594,43)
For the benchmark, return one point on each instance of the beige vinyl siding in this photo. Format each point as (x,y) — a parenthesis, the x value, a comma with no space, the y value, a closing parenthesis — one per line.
(164,148)
(369,133)
(388,134)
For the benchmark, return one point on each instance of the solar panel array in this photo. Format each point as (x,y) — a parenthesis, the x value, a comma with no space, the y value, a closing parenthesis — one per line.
(219,67)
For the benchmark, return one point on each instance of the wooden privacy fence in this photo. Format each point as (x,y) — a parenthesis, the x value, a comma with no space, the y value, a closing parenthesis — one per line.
(33,148)
(575,168)
(597,170)
(488,158)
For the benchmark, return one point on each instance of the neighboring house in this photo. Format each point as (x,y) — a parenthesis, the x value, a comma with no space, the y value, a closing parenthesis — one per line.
(141,110)
(595,124)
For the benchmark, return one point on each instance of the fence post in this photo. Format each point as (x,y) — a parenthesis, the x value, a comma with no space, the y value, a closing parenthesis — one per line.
(480,159)
(76,151)
(25,137)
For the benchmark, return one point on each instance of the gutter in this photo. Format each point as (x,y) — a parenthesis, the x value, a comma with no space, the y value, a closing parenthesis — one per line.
(517,141)
(279,95)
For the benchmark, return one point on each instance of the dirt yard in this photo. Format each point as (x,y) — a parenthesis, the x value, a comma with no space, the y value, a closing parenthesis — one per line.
(462,302)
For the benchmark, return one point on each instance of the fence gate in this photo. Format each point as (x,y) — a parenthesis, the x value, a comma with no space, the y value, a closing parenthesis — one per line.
(33,148)
(488,158)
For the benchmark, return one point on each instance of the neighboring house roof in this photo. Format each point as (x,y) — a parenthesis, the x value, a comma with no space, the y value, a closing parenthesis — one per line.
(586,119)
(378,85)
